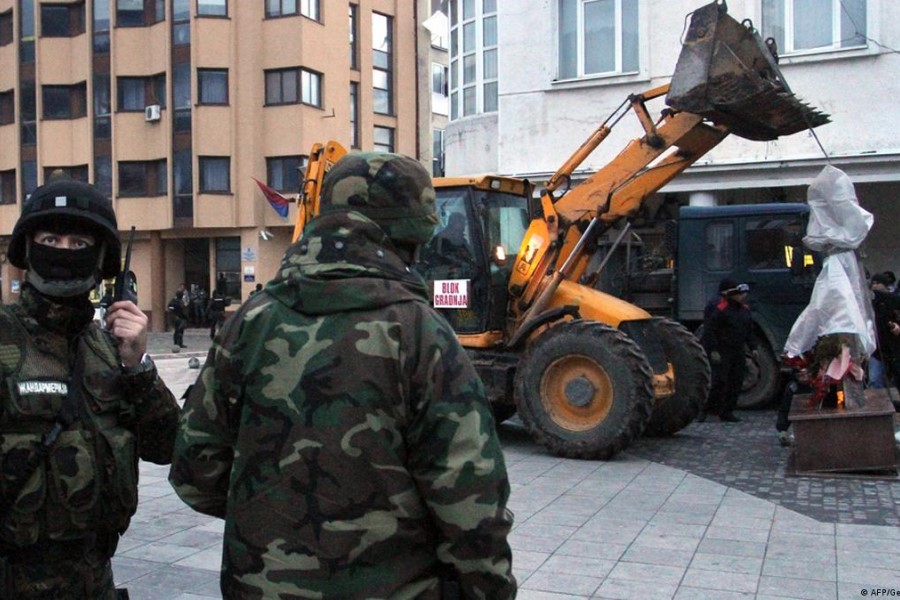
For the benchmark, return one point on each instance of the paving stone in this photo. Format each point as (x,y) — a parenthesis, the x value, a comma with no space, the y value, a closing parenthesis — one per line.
(800,589)
(746,456)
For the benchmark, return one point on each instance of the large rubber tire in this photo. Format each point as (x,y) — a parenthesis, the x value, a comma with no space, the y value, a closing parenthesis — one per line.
(692,380)
(584,390)
(762,379)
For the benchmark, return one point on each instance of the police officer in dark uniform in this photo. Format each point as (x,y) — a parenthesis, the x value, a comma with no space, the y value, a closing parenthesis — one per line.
(78,405)
(726,337)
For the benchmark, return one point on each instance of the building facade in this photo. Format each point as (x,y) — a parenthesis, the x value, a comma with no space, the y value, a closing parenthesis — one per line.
(175,107)
(529,81)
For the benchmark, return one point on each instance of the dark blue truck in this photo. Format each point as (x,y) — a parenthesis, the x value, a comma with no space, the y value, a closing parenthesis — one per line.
(760,244)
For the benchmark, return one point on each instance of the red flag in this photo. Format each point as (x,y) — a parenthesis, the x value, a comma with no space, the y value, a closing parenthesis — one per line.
(276,200)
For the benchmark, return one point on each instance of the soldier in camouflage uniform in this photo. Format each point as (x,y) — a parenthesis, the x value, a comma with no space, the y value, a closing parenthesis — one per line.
(78,405)
(338,426)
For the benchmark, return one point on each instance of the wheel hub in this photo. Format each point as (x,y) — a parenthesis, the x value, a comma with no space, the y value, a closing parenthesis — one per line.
(579,392)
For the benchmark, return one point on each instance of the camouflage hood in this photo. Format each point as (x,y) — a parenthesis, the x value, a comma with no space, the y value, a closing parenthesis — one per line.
(344,261)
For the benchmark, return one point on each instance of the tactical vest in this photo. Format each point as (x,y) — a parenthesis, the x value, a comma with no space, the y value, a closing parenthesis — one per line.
(88,483)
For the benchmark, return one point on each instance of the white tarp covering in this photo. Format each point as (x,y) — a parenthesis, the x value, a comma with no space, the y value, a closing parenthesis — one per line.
(840,300)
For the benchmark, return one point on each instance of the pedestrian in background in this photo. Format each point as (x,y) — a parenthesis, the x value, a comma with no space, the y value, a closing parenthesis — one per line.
(339,427)
(884,364)
(798,383)
(726,337)
(215,311)
(78,405)
(177,310)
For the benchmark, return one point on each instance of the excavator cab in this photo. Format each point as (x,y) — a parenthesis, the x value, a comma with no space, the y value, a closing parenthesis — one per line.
(467,264)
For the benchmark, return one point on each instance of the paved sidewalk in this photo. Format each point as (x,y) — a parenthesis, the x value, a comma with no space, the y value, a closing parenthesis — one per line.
(632,527)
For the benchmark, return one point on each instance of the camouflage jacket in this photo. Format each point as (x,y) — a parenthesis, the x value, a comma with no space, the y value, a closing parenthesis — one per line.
(341,431)
(87,484)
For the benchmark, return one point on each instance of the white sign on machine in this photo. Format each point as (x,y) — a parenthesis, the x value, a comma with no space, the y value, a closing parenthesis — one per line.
(451,293)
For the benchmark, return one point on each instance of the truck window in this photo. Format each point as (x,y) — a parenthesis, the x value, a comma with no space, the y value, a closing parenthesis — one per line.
(720,246)
(771,242)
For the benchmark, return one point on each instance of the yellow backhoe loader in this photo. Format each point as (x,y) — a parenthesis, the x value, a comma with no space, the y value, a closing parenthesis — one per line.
(587,372)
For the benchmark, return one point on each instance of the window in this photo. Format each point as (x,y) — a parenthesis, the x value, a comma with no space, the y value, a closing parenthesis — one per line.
(382,64)
(139,13)
(62,20)
(281,8)
(212,86)
(183,203)
(804,25)
(354,36)
(181,95)
(384,139)
(142,178)
(310,8)
(439,89)
(283,172)
(6,28)
(311,87)
(102,107)
(79,173)
(437,153)
(212,8)
(101,26)
(28,116)
(215,174)
(282,86)
(181,22)
(8,187)
(720,246)
(597,37)
(65,101)
(228,264)
(771,242)
(473,57)
(103,174)
(292,86)
(7,107)
(354,114)
(26,36)
(135,93)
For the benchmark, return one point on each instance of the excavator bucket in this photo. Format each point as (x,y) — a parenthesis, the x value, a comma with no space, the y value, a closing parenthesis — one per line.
(726,73)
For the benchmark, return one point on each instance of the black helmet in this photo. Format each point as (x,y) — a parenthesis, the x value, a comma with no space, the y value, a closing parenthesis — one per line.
(63,203)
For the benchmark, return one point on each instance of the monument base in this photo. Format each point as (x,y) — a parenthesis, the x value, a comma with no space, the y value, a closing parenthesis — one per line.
(844,439)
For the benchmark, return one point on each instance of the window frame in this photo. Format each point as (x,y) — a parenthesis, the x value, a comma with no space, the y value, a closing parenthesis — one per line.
(206,162)
(282,74)
(74,108)
(778,20)
(311,76)
(6,28)
(76,172)
(74,20)
(311,9)
(152,173)
(619,67)
(8,107)
(381,146)
(387,71)
(281,12)
(278,170)
(151,12)
(8,186)
(212,4)
(201,99)
(153,92)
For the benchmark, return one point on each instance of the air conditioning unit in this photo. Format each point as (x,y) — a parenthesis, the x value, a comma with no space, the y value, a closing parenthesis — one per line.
(151,113)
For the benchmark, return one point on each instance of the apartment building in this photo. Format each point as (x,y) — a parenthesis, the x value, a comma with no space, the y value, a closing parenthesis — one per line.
(175,107)
(529,81)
